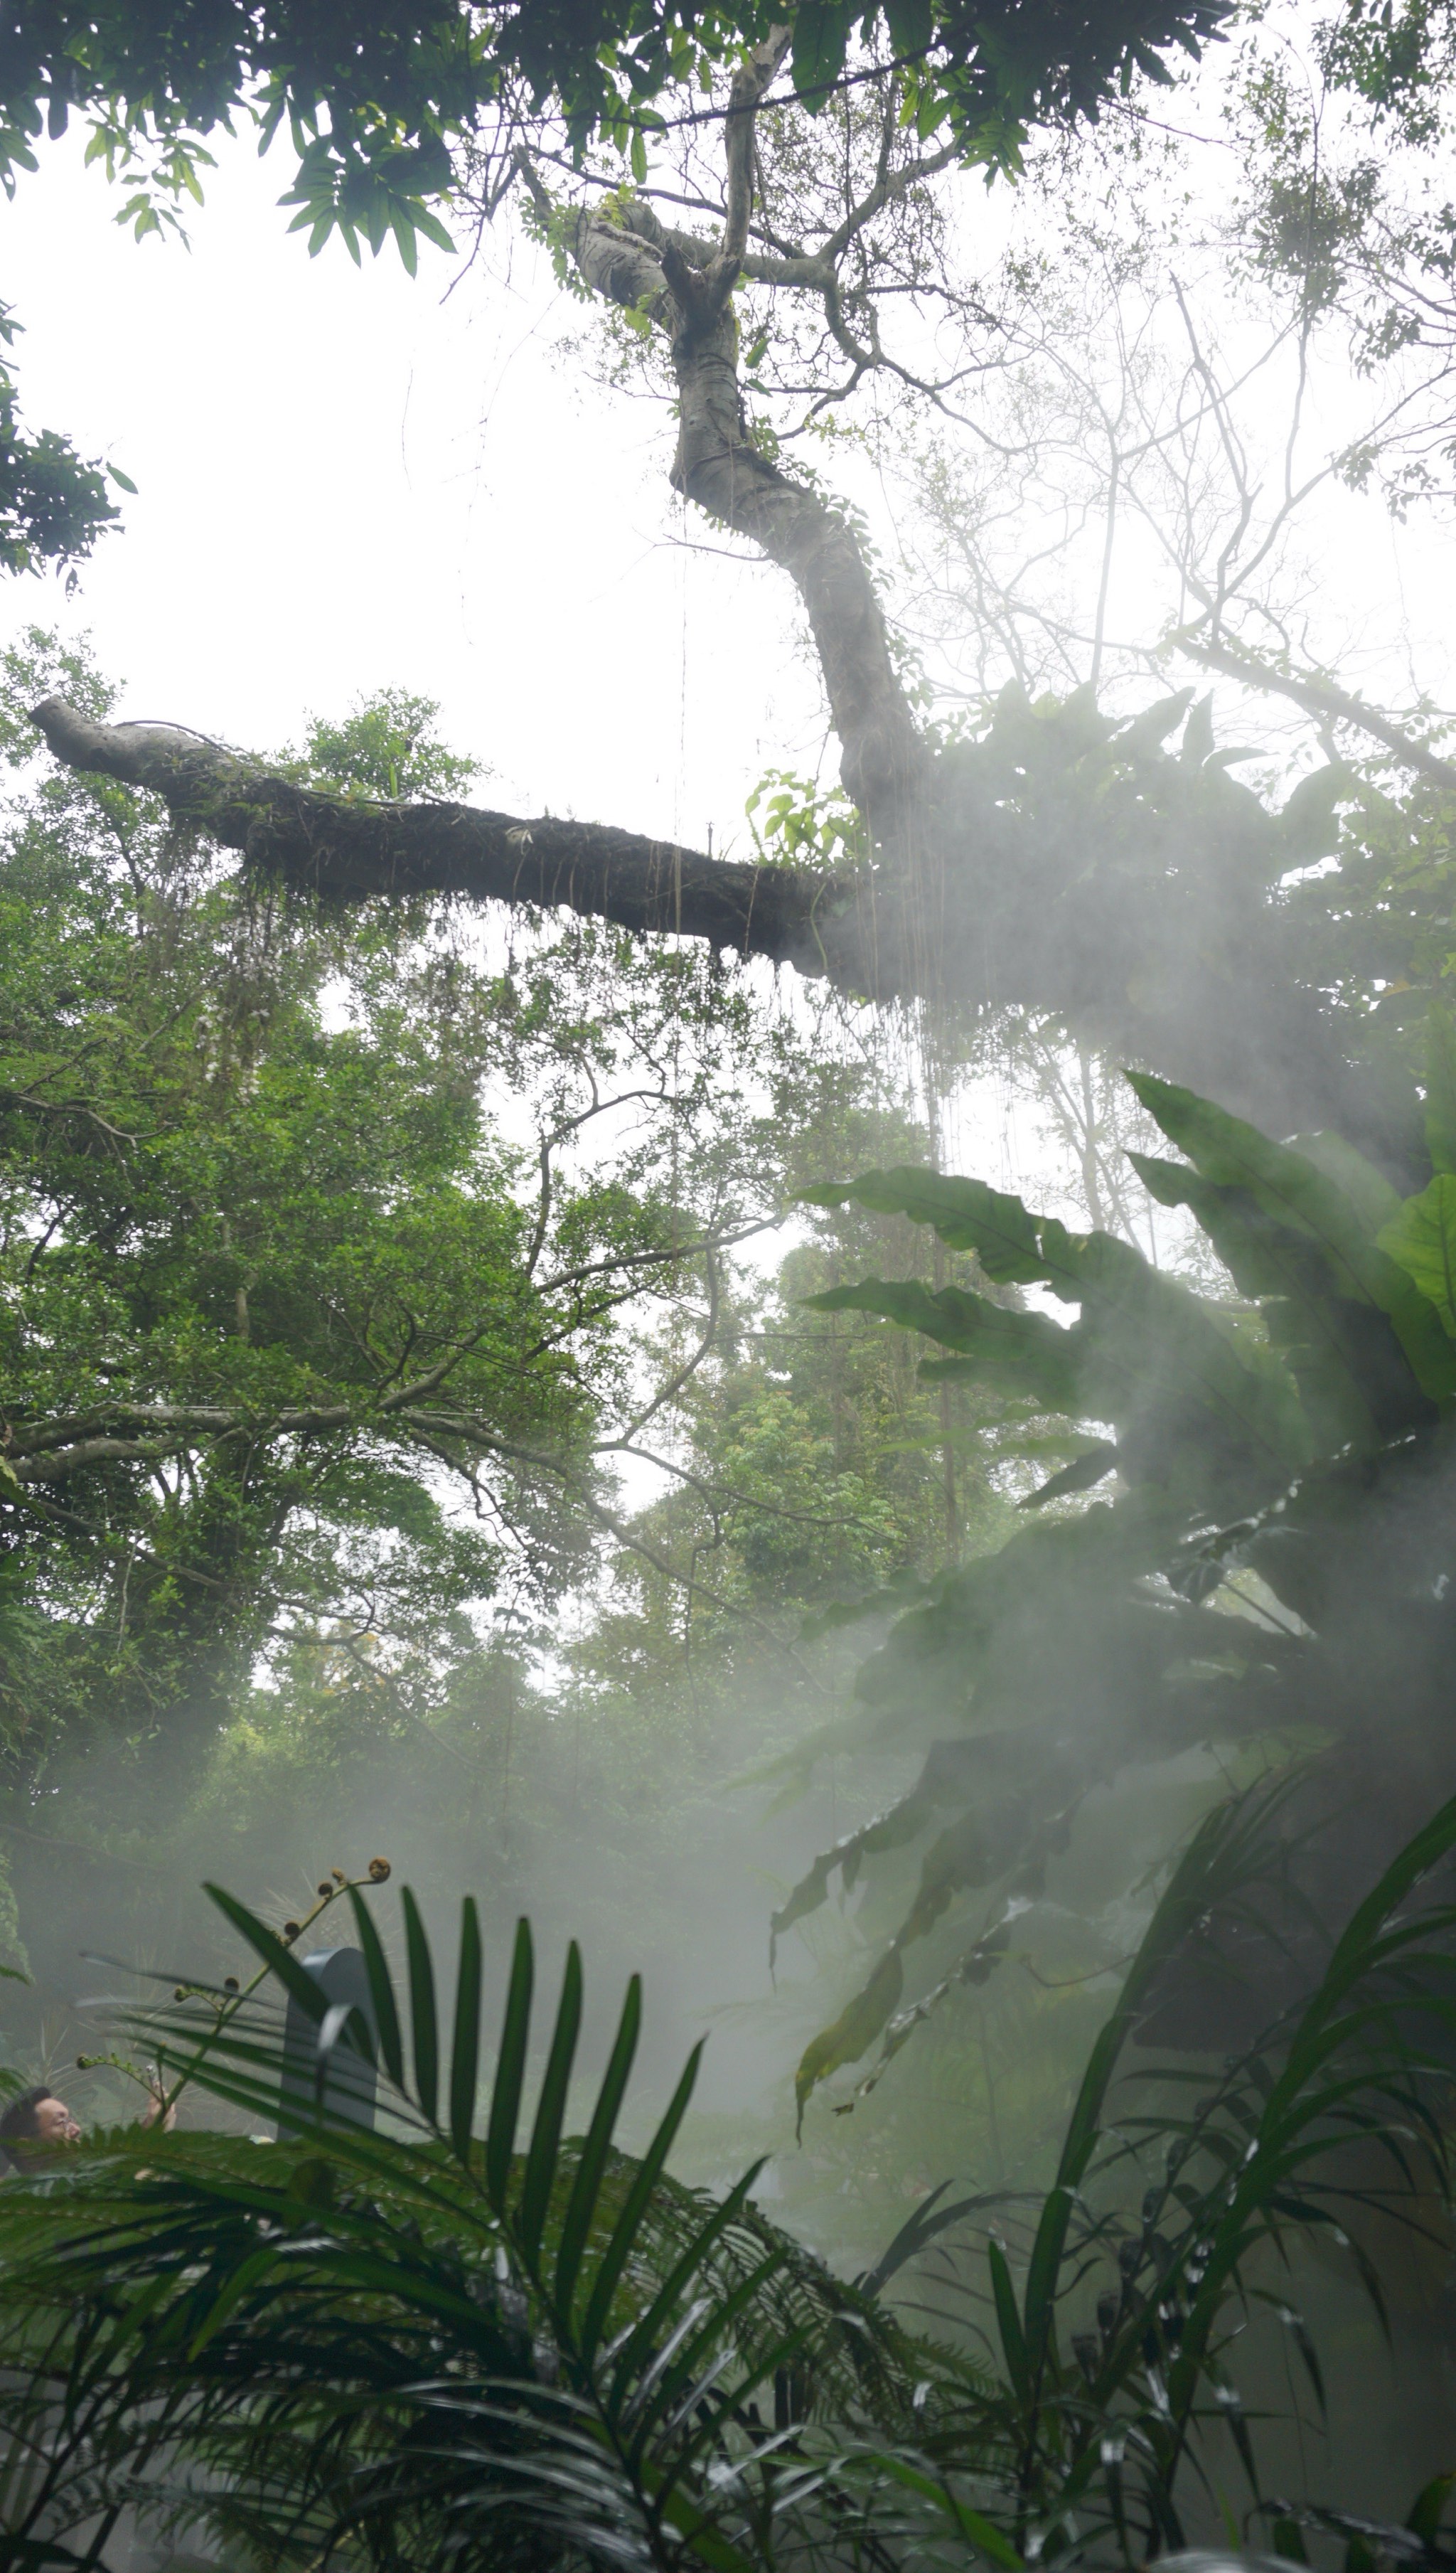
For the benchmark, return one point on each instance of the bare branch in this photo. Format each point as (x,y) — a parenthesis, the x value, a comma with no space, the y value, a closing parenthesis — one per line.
(1321,697)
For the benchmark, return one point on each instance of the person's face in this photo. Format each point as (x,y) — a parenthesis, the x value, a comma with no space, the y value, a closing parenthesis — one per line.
(54,2124)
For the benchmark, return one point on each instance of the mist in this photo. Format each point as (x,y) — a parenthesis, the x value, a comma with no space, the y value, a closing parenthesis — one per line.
(728,1222)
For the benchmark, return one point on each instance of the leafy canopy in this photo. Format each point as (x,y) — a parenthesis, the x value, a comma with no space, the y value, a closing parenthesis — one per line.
(1274,1576)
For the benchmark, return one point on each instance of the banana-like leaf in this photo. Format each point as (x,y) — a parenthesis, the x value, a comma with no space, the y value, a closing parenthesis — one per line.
(1026,1351)
(1146,1353)
(1421,1240)
(1082,1476)
(1441,1088)
(953,1771)
(966,1213)
(1295,1192)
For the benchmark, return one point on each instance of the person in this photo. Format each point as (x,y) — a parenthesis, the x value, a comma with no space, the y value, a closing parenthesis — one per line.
(38,2122)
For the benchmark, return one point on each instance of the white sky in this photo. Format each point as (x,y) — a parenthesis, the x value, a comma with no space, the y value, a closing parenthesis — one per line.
(345,482)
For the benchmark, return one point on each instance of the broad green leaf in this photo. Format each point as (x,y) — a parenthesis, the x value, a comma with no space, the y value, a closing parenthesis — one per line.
(1028,1348)
(853,2033)
(952,1772)
(1308,828)
(1368,1190)
(1146,732)
(1197,741)
(1421,1240)
(1290,1188)
(1441,1088)
(821,40)
(965,1214)
(1080,1476)
(912,26)
(1271,1263)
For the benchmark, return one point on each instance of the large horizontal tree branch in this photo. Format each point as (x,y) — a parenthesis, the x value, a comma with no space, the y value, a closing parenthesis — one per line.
(349,851)
(1169,969)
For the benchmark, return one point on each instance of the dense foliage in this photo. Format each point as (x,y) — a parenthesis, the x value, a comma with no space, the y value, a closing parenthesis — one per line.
(452,2342)
(1275,1572)
(396,1421)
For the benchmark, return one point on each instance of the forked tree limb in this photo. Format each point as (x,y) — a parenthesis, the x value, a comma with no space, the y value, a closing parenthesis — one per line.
(1321,697)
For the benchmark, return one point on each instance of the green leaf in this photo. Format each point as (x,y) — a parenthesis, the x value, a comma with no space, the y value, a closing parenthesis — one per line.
(434,229)
(1368,1190)
(1147,730)
(424,2026)
(970,2524)
(1034,1351)
(1441,1088)
(591,2170)
(630,2224)
(510,2071)
(965,1214)
(381,1989)
(1008,2319)
(1295,1192)
(1080,1476)
(1197,741)
(821,41)
(1429,2508)
(1421,1240)
(912,26)
(122,481)
(639,157)
(298,1986)
(466,2047)
(645,2333)
(403,231)
(1308,827)
(853,2033)
(541,2171)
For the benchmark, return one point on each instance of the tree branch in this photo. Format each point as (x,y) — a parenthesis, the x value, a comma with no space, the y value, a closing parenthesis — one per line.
(635,262)
(1321,697)
(352,850)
